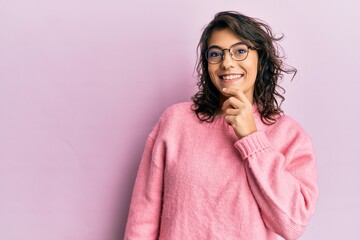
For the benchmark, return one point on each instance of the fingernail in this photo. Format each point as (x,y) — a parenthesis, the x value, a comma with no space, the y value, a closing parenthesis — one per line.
(224,89)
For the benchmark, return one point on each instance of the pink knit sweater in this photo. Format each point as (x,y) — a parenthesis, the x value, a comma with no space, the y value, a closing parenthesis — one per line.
(199,181)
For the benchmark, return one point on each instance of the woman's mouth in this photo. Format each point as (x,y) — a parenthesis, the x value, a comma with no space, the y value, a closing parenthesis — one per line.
(231,77)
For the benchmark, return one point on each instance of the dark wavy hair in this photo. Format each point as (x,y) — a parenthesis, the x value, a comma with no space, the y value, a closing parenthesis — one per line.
(253,32)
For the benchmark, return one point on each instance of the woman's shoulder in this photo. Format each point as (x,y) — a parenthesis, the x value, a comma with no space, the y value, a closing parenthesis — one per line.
(287,126)
(184,107)
(178,111)
(174,118)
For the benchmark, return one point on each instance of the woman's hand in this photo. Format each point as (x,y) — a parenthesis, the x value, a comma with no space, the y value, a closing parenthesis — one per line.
(238,112)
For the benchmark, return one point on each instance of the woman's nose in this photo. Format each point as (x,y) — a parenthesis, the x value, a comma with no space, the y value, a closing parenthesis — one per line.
(227,61)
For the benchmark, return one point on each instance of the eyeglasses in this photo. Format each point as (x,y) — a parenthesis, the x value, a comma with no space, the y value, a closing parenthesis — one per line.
(238,52)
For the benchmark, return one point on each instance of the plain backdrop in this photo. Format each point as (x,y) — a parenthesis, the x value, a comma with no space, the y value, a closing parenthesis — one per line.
(82,83)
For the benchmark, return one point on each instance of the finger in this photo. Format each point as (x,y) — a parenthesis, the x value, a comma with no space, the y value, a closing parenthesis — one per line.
(243,97)
(237,93)
(232,102)
(228,103)
(230,120)
(231,112)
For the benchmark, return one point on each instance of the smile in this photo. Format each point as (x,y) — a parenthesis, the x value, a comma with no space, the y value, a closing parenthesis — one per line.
(231,77)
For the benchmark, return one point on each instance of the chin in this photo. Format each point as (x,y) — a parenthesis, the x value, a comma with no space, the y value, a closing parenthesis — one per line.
(231,85)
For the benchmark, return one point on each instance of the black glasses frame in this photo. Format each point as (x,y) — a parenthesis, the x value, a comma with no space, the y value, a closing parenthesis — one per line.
(228,49)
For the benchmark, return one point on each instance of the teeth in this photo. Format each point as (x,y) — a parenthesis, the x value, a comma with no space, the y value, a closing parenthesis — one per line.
(230,77)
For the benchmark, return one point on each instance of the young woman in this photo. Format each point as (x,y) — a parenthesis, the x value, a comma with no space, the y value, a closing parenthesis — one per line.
(229,165)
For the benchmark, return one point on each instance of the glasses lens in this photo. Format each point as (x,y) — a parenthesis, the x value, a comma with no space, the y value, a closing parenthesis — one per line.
(239,52)
(214,55)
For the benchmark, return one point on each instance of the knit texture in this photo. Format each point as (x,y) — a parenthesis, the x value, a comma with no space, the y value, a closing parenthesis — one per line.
(199,181)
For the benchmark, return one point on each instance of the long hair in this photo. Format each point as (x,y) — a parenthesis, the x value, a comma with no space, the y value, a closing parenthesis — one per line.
(269,71)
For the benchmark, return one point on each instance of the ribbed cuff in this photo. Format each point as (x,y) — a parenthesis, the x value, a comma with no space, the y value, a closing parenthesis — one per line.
(252,143)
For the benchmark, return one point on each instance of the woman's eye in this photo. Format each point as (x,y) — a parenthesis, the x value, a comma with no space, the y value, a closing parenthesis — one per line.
(214,54)
(240,51)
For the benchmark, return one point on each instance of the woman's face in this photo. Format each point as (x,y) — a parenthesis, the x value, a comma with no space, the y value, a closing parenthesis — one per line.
(230,73)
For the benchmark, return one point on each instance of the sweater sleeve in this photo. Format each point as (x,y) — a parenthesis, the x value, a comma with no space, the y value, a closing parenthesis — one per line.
(145,208)
(285,188)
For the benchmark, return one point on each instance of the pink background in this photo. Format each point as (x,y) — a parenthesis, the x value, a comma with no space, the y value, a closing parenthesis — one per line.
(83,82)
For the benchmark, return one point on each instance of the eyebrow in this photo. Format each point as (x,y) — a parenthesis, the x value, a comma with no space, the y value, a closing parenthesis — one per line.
(213,46)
